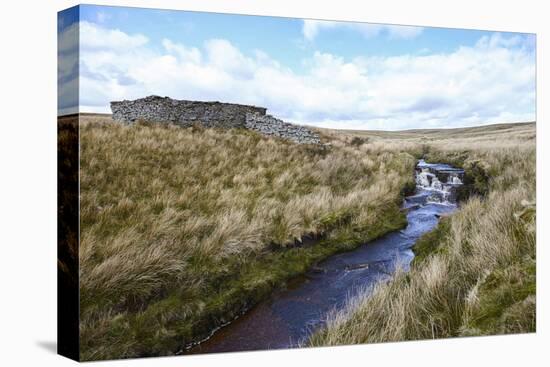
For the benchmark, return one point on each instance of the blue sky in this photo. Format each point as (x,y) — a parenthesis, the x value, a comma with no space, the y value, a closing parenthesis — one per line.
(275,35)
(330,74)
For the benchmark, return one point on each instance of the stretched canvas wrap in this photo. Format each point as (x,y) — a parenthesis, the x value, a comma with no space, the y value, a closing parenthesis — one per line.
(234,182)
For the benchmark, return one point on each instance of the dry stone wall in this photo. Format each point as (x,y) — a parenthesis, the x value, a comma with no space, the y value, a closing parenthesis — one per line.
(210,114)
(271,126)
(183,113)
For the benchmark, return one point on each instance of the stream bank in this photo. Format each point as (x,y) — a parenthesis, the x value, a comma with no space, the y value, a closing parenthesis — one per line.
(288,317)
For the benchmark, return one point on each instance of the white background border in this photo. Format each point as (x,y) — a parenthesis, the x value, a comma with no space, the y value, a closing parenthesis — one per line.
(28,67)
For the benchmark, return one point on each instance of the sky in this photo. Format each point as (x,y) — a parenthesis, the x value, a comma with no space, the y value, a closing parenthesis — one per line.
(342,75)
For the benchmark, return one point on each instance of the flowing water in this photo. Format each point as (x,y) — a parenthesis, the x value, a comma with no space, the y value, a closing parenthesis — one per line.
(289,316)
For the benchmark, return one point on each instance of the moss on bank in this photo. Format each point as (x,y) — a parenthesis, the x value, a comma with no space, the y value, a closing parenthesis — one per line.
(502,301)
(183,229)
(430,243)
(505,301)
(167,325)
(475,273)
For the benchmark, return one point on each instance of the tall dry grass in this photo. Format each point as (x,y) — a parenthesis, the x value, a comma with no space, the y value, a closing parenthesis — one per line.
(168,215)
(480,276)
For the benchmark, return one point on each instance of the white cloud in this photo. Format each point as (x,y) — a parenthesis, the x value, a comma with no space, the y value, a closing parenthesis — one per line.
(311,28)
(96,37)
(184,53)
(493,81)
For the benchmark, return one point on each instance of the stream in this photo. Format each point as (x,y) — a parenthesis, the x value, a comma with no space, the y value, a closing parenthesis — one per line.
(290,315)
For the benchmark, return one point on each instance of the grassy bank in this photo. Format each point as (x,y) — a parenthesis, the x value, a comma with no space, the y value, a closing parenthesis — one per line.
(181,229)
(475,274)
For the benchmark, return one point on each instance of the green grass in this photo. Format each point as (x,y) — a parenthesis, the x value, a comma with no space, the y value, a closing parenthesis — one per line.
(475,273)
(506,301)
(182,229)
(430,243)
(229,297)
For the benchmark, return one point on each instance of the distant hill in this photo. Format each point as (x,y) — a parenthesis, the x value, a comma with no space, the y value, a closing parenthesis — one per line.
(522,128)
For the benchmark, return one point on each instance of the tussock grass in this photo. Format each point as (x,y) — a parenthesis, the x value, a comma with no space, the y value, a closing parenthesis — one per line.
(182,228)
(476,272)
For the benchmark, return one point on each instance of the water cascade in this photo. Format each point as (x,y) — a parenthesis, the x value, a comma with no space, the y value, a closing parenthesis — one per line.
(438,181)
(290,315)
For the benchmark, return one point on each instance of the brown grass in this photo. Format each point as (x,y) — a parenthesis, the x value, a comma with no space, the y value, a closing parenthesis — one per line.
(170,214)
(182,227)
(481,279)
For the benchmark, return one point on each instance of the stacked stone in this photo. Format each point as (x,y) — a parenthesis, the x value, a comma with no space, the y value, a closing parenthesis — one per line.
(183,113)
(210,114)
(271,126)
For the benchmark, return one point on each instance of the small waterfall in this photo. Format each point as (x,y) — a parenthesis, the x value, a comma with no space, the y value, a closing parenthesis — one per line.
(423,179)
(454,179)
(437,182)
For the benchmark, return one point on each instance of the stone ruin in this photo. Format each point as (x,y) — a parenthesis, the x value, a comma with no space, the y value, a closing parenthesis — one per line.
(211,115)
(271,126)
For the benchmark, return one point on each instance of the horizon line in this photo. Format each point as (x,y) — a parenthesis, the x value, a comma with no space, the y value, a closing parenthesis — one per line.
(330,128)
